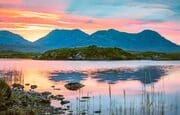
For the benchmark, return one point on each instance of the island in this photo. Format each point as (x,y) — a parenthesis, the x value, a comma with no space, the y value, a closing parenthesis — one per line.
(101,53)
(90,53)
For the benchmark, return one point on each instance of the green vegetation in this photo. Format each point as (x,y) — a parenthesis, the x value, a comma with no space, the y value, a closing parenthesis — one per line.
(5,94)
(158,56)
(91,53)
(14,54)
(99,53)
(86,53)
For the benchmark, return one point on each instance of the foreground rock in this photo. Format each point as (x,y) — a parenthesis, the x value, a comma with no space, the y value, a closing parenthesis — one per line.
(74,86)
(16,101)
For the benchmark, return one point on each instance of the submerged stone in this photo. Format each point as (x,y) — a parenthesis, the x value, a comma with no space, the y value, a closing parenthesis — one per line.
(46,93)
(58,97)
(27,84)
(74,86)
(83,100)
(99,111)
(33,86)
(64,102)
(86,97)
(18,86)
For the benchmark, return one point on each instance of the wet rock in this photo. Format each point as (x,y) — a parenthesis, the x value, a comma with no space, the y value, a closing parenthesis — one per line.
(64,102)
(74,86)
(83,113)
(46,93)
(27,84)
(98,111)
(86,97)
(22,101)
(53,86)
(33,86)
(58,97)
(18,86)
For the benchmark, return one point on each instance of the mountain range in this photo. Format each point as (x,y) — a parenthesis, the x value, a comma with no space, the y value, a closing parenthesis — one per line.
(14,42)
(146,40)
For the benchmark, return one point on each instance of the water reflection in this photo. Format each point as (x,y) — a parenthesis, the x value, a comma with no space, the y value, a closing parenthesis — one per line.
(145,75)
(68,76)
(98,78)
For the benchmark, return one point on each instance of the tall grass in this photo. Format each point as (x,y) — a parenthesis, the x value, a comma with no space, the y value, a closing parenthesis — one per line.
(151,101)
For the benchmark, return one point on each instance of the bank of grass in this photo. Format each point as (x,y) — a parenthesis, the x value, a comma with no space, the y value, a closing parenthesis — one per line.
(101,53)
(15,54)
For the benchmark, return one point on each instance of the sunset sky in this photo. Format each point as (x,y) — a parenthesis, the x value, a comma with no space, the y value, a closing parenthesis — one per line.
(35,18)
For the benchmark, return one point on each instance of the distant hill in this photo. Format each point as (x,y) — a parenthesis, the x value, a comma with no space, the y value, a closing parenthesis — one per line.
(86,53)
(15,54)
(146,40)
(100,53)
(14,42)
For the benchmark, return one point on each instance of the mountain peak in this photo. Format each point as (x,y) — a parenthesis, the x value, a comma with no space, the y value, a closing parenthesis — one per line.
(112,30)
(149,31)
(57,31)
(10,35)
(150,34)
(78,30)
(3,32)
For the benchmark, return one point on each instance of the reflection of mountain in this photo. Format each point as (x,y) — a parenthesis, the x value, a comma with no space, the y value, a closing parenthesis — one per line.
(71,76)
(146,75)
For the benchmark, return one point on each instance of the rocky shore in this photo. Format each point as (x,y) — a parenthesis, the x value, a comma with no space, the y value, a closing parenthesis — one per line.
(16,101)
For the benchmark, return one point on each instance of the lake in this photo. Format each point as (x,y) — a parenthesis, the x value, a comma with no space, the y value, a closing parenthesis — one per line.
(111,87)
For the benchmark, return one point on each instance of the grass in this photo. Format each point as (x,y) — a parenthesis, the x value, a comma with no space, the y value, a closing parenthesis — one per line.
(153,102)
(15,54)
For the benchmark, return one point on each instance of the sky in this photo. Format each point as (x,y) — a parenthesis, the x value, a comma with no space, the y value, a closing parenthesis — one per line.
(34,19)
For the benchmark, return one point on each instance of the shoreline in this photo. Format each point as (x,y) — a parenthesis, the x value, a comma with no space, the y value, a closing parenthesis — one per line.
(92,59)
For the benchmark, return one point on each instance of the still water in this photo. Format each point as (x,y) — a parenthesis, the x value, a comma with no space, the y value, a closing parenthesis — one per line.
(113,87)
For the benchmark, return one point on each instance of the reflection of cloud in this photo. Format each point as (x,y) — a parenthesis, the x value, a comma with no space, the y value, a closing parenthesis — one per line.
(72,76)
(146,75)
